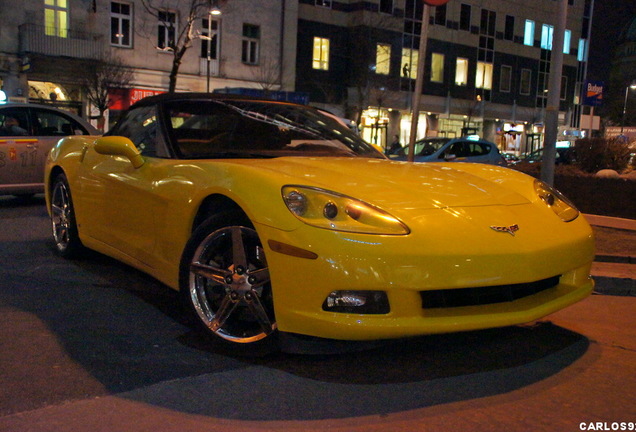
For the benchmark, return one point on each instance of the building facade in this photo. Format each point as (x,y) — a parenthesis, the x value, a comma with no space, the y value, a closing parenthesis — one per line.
(45,46)
(487,61)
(487,66)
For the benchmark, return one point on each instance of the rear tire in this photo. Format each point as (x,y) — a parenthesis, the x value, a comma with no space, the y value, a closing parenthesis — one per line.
(65,233)
(226,285)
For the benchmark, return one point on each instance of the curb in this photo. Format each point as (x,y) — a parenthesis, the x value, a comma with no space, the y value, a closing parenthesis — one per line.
(611,222)
(614,286)
(607,285)
(622,259)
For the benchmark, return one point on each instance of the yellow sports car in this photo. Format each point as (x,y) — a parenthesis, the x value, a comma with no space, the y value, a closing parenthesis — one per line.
(273,218)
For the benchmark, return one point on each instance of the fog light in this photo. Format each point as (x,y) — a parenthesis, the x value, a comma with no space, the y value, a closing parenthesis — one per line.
(357,302)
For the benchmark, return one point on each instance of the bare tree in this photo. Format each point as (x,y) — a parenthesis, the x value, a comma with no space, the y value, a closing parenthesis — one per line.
(178,21)
(98,78)
(268,73)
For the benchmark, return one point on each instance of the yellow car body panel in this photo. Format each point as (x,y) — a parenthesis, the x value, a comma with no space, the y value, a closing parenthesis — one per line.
(144,216)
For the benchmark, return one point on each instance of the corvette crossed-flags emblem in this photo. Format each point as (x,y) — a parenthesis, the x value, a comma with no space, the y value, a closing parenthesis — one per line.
(511,229)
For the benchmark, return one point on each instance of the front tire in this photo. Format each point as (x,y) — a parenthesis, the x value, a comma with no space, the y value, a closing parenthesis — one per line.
(65,234)
(226,284)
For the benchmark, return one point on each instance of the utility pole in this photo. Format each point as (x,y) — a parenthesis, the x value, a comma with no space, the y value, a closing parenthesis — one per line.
(554,95)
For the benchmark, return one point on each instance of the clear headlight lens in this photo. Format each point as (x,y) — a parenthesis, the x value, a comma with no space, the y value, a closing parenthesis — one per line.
(556,201)
(331,210)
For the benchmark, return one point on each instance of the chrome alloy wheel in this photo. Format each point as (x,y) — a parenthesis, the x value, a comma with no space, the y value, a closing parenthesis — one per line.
(61,215)
(229,285)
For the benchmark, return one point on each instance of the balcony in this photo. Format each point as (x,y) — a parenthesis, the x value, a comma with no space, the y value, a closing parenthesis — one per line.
(36,39)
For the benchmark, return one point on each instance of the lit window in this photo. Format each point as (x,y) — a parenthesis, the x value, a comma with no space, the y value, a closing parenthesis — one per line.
(505,81)
(528,35)
(409,63)
(547,31)
(461,72)
(582,54)
(120,24)
(167,29)
(56,18)
(483,78)
(250,44)
(567,40)
(321,53)
(382,59)
(324,3)
(437,67)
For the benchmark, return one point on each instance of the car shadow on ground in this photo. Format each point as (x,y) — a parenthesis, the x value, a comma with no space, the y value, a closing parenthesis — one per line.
(130,334)
(370,379)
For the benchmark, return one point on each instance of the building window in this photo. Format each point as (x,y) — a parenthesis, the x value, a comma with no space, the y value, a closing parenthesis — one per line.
(564,87)
(509,30)
(56,18)
(582,53)
(323,3)
(166,30)
(488,22)
(212,38)
(528,34)
(567,40)
(409,63)
(547,31)
(383,59)
(250,43)
(525,82)
(120,24)
(461,72)
(321,53)
(483,77)
(505,81)
(464,17)
(440,15)
(437,67)
(386,6)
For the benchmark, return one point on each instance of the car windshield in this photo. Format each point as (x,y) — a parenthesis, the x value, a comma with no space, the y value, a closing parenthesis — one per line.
(208,129)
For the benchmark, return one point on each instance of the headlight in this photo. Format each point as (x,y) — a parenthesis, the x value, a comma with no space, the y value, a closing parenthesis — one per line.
(556,201)
(330,210)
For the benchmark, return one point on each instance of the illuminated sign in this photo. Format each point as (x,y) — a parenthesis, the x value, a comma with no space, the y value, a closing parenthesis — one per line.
(593,93)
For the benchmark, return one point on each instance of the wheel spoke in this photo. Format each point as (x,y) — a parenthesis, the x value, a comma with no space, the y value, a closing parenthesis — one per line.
(257,309)
(259,277)
(213,273)
(239,257)
(229,303)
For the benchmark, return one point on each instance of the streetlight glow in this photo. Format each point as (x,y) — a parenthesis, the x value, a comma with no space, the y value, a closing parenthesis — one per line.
(632,86)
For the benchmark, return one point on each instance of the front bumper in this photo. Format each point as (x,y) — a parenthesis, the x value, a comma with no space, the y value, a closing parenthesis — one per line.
(433,257)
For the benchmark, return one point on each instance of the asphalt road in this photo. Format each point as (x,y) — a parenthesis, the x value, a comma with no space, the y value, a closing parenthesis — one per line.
(93,345)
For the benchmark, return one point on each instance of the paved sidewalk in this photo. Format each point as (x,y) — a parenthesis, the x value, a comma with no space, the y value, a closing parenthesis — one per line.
(614,272)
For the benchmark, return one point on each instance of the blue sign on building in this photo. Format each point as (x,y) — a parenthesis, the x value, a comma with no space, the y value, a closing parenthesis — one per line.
(593,93)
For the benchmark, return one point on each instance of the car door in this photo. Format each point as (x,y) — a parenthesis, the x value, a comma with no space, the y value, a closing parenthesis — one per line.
(115,203)
(18,150)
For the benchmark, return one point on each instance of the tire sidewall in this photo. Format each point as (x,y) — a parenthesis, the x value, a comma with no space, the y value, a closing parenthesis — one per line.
(213,223)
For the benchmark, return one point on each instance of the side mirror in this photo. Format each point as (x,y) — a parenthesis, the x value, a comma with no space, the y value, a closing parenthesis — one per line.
(449,157)
(119,146)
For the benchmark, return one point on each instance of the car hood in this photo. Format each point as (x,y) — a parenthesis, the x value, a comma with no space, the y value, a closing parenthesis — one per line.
(391,184)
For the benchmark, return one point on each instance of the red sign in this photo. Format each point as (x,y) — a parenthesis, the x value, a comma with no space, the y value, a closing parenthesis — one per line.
(121,99)
(435,2)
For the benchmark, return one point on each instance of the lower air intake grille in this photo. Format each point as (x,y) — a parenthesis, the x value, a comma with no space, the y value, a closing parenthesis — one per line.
(448,298)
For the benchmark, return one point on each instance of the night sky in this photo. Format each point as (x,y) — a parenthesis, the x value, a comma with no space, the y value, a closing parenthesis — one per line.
(610,18)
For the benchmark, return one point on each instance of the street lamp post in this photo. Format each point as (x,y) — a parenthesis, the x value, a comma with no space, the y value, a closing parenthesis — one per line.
(632,86)
(214,11)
